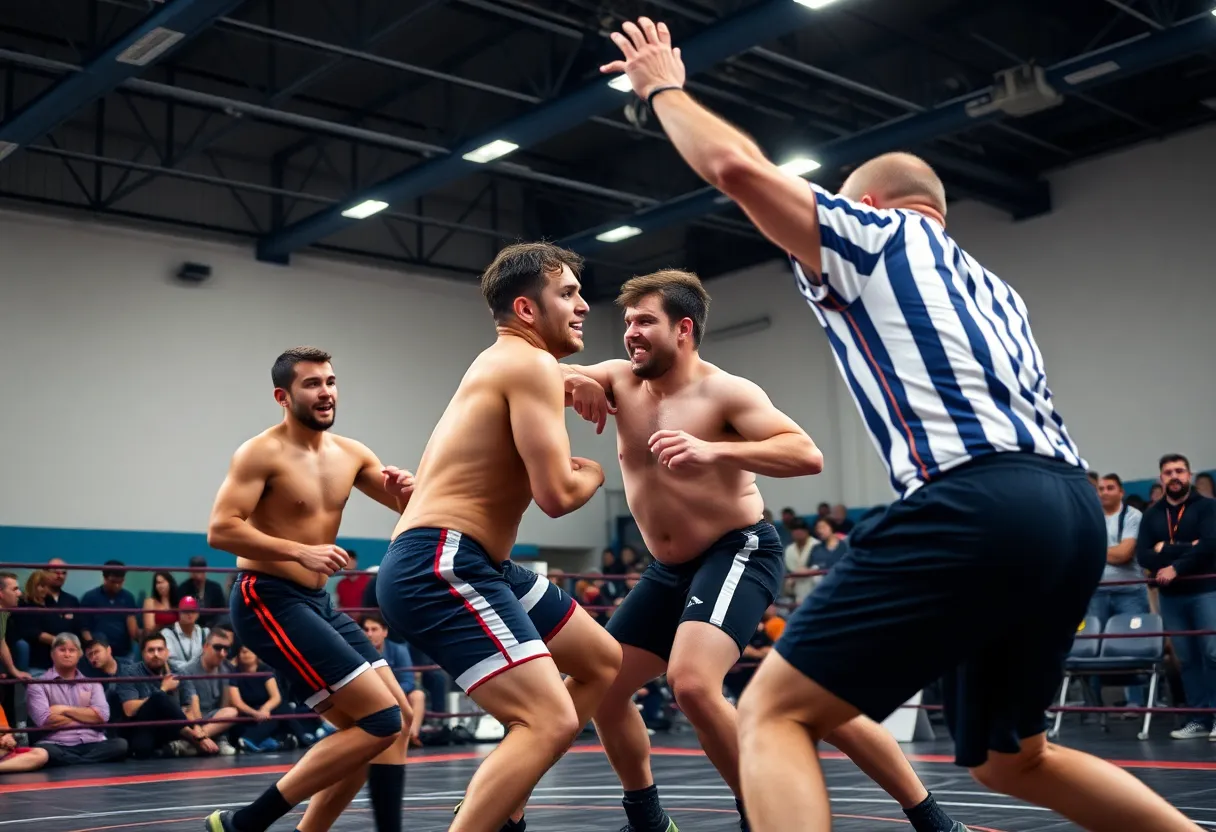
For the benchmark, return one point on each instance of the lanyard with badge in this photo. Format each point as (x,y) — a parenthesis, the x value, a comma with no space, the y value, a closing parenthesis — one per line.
(1173,526)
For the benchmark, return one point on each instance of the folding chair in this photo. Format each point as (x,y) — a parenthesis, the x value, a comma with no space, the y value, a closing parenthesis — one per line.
(1084,651)
(1138,655)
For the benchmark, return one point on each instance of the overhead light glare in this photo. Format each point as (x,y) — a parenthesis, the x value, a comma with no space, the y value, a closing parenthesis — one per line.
(623,232)
(800,165)
(490,152)
(621,83)
(815,4)
(365,209)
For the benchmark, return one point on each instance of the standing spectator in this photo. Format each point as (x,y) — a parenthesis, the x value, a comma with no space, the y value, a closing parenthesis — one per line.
(158,607)
(1205,486)
(14,758)
(160,697)
(57,596)
(207,593)
(399,659)
(10,597)
(72,709)
(840,518)
(798,558)
(351,587)
(185,638)
(211,699)
(1178,539)
(36,621)
(120,631)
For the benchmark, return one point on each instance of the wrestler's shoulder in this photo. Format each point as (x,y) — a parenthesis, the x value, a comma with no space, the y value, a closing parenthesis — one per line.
(719,385)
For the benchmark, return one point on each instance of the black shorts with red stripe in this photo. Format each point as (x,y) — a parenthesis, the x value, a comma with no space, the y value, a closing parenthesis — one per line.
(444,593)
(314,649)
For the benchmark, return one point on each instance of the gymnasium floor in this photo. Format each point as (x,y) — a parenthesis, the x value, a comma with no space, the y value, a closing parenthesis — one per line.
(178,794)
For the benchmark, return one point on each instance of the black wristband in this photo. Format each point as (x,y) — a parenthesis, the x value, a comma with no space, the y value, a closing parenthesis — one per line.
(657,90)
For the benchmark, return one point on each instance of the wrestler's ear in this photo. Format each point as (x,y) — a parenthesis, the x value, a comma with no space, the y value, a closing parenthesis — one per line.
(526,309)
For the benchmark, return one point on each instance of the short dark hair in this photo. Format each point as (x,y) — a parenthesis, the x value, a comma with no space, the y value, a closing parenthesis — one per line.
(283,373)
(376,618)
(149,638)
(798,523)
(96,641)
(220,630)
(1168,458)
(1113,478)
(520,270)
(118,573)
(4,575)
(682,294)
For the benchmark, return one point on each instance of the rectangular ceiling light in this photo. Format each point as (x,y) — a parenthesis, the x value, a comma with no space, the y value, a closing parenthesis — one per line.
(622,83)
(800,165)
(365,209)
(623,232)
(490,152)
(815,4)
(1091,72)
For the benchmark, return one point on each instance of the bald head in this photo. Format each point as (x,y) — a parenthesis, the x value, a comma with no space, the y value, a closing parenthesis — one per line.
(897,180)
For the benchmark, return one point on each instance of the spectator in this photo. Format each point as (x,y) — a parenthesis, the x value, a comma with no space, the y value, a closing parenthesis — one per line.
(102,665)
(34,624)
(1122,531)
(120,631)
(185,638)
(629,559)
(158,607)
(840,518)
(207,593)
(14,758)
(10,597)
(1177,540)
(1154,493)
(822,510)
(398,658)
(1094,479)
(211,700)
(260,699)
(798,558)
(830,547)
(58,597)
(351,587)
(72,709)
(160,697)
(1205,486)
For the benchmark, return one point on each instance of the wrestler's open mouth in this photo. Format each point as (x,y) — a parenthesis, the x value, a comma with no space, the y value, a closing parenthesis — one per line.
(577,327)
(637,352)
(323,408)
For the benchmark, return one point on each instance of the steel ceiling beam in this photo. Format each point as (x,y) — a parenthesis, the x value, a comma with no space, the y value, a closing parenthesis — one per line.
(172,25)
(758,23)
(1120,60)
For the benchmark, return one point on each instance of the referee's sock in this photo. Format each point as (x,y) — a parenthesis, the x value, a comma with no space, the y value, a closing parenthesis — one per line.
(927,816)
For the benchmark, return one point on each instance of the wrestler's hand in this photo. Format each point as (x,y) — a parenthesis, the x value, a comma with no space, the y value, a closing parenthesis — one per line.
(650,61)
(677,449)
(325,558)
(398,482)
(589,400)
(579,463)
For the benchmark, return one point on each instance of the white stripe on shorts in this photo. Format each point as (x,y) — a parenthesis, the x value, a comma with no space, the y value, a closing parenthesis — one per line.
(485,613)
(731,583)
(532,596)
(495,664)
(321,695)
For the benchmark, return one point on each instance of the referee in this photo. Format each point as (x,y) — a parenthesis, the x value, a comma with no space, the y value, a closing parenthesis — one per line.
(951,385)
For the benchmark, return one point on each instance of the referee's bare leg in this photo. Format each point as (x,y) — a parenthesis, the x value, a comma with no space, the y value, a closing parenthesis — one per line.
(783,715)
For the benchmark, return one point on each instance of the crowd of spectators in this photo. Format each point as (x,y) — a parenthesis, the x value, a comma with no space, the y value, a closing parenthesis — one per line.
(99,677)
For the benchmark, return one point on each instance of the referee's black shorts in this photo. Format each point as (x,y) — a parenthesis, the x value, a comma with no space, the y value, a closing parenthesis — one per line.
(981,577)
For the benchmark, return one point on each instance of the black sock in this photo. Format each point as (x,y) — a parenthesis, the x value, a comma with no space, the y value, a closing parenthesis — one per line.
(927,816)
(514,825)
(261,813)
(386,785)
(743,825)
(644,811)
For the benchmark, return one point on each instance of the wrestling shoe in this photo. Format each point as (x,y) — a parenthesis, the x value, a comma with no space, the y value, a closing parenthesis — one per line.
(958,827)
(509,826)
(670,827)
(220,821)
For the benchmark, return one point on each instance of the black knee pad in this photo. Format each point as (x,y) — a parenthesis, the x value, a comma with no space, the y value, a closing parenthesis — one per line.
(383,723)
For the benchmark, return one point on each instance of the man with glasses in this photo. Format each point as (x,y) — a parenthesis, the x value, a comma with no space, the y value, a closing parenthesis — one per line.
(211,701)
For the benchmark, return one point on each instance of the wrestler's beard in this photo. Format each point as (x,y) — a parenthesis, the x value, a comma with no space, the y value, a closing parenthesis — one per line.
(306,417)
(656,365)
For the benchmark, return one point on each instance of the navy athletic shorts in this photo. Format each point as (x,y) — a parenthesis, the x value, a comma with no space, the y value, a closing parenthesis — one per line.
(314,649)
(730,586)
(980,578)
(546,603)
(444,593)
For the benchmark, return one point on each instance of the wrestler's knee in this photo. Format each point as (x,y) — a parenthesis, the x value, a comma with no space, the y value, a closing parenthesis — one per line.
(697,692)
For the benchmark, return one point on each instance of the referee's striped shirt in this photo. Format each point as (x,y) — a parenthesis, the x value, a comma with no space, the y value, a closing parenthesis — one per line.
(936,349)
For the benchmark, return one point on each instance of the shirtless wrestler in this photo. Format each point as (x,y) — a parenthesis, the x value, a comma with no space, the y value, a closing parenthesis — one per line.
(447,583)
(278,511)
(691,439)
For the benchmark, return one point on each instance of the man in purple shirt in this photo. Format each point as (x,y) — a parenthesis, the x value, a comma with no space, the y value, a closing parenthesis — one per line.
(73,709)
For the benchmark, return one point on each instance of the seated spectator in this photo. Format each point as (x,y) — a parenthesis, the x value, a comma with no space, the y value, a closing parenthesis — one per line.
(207,593)
(1155,493)
(35,623)
(211,695)
(1205,486)
(160,697)
(103,666)
(10,597)
(158,607)
(260,699)
(185,638)
(15,758)
(830,547)
(73,709)
(398,657)
(58,597)
(630,560)
(120,631)
(785,529)
(822,510)
(798,558)
(349,590)
(840,518)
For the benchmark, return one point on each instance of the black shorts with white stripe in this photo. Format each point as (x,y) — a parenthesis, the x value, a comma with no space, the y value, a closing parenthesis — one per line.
(729,586)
